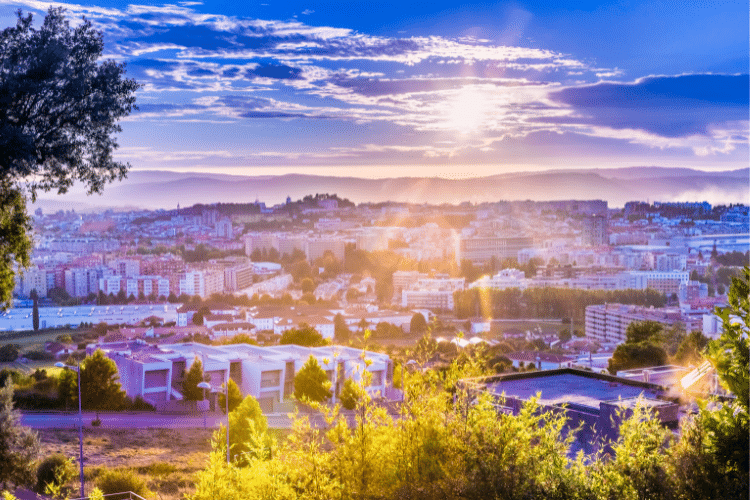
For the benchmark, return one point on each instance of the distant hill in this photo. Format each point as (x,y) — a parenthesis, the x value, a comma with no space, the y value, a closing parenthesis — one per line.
(165,189)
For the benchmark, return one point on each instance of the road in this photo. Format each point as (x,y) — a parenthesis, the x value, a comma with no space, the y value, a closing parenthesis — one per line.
(53,420)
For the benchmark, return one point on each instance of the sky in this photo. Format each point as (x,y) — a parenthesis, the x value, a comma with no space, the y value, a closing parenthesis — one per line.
(417,88)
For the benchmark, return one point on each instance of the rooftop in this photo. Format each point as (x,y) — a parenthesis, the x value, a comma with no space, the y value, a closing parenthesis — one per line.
(556,387)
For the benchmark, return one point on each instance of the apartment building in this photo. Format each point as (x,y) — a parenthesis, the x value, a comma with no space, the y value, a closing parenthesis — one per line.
(267,373)
(607,323)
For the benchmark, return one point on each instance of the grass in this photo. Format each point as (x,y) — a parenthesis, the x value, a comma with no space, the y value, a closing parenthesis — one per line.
(165,459)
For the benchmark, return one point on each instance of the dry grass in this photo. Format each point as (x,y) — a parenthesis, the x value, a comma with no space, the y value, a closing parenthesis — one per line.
(166,458)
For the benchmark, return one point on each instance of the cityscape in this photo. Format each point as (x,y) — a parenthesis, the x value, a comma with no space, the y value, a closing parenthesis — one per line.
(323,250)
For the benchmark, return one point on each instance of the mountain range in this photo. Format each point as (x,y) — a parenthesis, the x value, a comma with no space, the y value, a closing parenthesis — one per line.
(154,189)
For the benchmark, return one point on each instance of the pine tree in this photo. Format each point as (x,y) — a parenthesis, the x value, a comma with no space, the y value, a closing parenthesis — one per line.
(193,377)
(311,383)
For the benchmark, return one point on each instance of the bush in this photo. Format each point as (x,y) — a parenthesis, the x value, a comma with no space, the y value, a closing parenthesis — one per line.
(120,481)
(351,394)
(140,404)
(56,469)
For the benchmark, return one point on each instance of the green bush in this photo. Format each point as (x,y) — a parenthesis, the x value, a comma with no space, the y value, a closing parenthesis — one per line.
(120,481)
(56,469)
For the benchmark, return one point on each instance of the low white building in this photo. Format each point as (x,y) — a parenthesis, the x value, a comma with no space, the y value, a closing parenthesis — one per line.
(267,373)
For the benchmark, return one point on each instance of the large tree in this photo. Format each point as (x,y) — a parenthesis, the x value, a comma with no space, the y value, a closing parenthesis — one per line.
(59,109)
(100,384)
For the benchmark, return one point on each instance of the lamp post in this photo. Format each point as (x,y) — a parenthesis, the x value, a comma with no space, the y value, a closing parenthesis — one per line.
(206,385)
(80,419)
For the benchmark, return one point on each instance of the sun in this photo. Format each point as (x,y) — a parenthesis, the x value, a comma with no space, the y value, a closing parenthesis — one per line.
(466,110)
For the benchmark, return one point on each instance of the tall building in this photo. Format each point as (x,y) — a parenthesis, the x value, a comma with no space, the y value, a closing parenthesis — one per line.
(594,231)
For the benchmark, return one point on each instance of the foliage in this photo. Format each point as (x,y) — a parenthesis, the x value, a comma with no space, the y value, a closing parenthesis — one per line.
(121,480)
(341,332)
(67,388)
(18,445)
(193,377)
(418,325)
(691,348)
(730,354)
(247,432)
(35,309)
(546,302)
(100,385)
(351,394)
(8,353)
(15,226)
(642,347)
(235,397)
(58,115)
(55,470)
(305,335)
(311,383)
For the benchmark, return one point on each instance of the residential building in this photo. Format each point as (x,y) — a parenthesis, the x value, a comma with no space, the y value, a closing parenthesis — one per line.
(607,323)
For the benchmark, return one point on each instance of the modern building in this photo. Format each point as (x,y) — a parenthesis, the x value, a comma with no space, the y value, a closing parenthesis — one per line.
(267,373)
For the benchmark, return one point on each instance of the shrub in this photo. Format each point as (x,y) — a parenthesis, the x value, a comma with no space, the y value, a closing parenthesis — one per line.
(351,393)
(121,480)
(140,404)
(56,469)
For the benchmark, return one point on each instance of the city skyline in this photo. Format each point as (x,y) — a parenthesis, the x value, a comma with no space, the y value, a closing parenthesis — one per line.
(426,90)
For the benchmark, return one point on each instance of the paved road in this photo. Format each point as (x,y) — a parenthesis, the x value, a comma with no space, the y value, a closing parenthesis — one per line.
(54,420)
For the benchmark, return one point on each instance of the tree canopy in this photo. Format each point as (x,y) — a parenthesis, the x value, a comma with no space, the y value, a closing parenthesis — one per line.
(100,383)
(305,335)
(193,377)
(235,397)
(59,112)
(311,383)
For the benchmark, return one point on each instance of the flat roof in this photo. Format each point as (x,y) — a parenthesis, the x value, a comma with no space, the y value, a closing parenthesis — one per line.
(566,387)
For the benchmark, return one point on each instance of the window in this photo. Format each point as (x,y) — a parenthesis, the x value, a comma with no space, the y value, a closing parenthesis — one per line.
(270,378)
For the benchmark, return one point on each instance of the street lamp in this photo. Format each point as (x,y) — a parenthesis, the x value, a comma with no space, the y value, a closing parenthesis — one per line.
(206,385)
(77,369)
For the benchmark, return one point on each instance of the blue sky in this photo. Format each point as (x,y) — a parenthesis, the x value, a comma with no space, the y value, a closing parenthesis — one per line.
(394,88)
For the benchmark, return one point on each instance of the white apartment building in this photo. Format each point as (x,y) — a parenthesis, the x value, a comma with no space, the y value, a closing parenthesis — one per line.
(31,279)
(607,323)
(266,373)
(203,283)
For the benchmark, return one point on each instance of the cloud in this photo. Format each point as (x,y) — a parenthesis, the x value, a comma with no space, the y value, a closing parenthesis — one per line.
(667,106)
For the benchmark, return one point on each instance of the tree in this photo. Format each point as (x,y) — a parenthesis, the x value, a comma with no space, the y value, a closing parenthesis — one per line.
(305,335)
(418,324)
(18,445)
(235,397)
(59,110)
(311,383)
(100,384)
(193,377)
(8,353)
(643,331)
(351,394)
(341,331)
(247,429)
(35,310)
(307,285)
(67,388)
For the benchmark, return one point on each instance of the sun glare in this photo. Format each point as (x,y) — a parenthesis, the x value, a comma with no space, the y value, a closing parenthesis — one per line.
(466,111)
